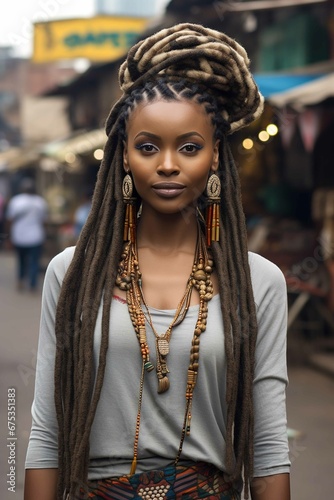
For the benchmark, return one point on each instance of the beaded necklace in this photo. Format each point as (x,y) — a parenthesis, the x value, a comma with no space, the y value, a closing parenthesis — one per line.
(129,279)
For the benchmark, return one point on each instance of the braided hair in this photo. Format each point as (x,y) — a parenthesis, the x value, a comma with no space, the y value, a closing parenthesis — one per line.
(182,62)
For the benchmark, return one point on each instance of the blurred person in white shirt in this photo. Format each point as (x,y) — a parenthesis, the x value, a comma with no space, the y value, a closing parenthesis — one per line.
(26,215)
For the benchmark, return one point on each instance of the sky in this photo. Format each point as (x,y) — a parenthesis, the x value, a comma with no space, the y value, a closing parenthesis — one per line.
(17,18)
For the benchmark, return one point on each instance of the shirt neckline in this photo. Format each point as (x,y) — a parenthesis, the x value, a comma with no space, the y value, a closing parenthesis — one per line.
(166,311)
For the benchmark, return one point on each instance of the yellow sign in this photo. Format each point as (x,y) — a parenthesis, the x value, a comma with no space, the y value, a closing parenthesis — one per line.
(100,38)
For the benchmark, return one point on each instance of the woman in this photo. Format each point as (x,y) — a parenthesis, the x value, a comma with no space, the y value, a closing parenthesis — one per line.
(169,339)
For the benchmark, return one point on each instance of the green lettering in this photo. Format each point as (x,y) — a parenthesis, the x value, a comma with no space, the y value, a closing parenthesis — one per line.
(90,38)
(126,39)
(72,40)
(115,39)
(130,38)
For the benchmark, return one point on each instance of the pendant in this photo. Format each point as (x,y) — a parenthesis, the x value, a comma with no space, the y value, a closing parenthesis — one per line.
(163,384)
(162,371)
(163,346)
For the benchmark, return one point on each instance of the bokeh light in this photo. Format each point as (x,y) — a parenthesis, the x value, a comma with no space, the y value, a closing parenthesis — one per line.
(272,129)
(248,143)
(264,136)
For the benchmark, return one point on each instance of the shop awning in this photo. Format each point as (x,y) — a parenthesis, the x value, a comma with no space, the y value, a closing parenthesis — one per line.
(270,84)
(307,94)
(81,143)
(7,156)
(67,150)
(16,158)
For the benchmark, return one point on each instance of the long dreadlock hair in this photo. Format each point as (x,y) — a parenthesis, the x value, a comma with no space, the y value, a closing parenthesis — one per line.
(183,62)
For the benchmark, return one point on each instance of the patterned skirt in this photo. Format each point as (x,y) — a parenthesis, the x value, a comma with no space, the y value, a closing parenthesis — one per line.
(186,482)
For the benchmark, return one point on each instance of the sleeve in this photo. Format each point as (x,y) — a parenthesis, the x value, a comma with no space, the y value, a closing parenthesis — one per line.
(271,451)
(42,452)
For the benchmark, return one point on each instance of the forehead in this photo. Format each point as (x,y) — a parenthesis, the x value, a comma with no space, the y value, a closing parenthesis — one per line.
(174,115)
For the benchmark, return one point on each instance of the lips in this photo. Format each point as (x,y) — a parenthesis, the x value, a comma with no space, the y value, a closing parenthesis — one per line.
(168,189)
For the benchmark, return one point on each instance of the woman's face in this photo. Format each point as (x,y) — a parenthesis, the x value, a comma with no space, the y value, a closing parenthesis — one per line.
(170,151)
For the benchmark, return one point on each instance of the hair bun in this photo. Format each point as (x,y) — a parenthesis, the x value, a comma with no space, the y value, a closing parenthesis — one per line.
(202,55)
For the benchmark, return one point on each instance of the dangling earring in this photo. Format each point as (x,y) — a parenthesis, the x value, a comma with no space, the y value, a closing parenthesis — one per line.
(129,232)
(213,190)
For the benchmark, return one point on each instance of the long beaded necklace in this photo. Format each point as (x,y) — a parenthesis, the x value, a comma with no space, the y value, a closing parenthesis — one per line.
(162,341)
(129,279)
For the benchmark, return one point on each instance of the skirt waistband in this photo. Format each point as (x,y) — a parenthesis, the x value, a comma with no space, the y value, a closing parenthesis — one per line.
(187,482)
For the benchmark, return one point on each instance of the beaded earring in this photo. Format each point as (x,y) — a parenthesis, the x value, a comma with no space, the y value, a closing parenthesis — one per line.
(129,233)
(213,190)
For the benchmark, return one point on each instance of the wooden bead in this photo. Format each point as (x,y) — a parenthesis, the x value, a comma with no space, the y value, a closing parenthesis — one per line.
(200,275)
(148,366)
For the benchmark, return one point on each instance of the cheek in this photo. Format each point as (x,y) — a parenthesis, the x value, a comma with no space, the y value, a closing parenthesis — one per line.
(202,184)
(199,174)
(197,185)
(139,179)
(137,168)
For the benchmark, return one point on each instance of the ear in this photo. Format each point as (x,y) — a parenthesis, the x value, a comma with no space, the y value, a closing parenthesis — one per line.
(125,157)
(215,158)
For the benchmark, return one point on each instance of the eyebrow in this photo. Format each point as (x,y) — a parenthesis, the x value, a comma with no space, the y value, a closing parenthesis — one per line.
(183,136)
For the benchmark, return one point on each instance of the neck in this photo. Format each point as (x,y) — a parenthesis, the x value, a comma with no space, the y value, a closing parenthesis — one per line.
(167,233)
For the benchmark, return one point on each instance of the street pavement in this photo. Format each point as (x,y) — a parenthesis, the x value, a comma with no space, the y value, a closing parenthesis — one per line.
(310,398)
(19,316)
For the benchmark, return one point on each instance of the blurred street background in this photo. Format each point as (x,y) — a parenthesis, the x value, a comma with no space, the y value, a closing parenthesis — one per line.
(59,63)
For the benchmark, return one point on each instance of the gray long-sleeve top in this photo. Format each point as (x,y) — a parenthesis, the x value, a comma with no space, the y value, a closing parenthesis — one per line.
(112,435)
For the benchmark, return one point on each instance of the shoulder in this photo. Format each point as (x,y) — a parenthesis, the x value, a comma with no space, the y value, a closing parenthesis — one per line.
(58,265)
(53,281)
(39,200)
(271,301)
(12,206)
(15,200)
(263,270)
(267,278)
(63,259)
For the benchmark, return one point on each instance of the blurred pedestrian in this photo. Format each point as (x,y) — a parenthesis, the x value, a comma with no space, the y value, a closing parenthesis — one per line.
(323,214)
(2,219)
(327,244)
(82,211)
(26,215)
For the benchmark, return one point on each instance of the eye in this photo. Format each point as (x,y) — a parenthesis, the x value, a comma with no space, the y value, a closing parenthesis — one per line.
(146,147)
(190,147)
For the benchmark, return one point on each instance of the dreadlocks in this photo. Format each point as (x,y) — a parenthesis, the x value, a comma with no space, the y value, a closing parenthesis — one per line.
(183,62)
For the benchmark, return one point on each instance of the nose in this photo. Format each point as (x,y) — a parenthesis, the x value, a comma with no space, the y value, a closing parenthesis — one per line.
(168,164)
